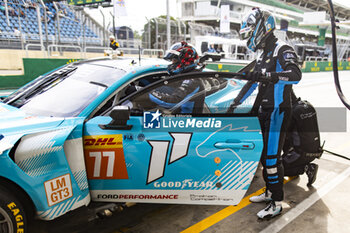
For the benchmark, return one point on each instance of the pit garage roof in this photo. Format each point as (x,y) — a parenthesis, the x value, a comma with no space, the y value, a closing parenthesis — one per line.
(341,11)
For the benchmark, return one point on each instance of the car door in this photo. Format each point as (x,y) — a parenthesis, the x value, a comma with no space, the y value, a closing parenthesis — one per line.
(188,150)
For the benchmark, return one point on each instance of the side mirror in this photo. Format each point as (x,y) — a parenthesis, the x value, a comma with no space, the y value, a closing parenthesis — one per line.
(120,115)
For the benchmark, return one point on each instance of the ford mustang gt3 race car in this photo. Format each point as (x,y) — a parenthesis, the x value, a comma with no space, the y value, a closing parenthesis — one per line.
(91,131)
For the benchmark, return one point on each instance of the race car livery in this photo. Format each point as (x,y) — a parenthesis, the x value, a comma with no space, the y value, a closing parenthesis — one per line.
(90,131)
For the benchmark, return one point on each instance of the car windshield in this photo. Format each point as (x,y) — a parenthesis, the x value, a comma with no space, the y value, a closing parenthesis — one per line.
(65,92)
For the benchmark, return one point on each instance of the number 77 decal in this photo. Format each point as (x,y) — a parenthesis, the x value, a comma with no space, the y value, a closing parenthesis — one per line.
(104,157)
(160,150)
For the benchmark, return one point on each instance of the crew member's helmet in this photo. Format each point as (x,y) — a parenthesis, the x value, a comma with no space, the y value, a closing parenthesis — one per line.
(111,37)
(256,27)
(183,57)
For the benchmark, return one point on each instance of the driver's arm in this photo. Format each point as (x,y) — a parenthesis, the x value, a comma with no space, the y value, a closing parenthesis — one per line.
(168,97)
(246,91)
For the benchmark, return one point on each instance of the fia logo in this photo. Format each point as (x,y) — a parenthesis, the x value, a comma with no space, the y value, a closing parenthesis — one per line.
(151,120)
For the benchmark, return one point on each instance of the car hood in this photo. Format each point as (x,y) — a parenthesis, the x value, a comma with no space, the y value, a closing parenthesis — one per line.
(14,123)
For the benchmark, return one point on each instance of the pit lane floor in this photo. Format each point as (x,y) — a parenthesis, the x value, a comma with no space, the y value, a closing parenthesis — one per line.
(324,207)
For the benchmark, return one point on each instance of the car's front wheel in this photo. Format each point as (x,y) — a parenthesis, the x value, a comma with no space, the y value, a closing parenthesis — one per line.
(12,215)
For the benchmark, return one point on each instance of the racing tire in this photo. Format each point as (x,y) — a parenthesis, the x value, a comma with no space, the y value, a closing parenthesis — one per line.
(13,217)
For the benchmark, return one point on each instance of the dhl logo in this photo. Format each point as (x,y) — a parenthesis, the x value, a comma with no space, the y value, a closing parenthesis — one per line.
(103,141)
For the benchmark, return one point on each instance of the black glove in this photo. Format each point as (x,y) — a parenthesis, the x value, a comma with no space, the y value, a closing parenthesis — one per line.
(254,76)
(258,76)
(233,106)
(272,77)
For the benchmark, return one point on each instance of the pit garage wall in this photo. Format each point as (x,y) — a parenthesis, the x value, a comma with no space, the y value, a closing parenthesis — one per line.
(34,67)
(307,66)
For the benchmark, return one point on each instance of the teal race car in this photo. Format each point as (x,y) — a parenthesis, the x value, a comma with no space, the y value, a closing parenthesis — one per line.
(89,131)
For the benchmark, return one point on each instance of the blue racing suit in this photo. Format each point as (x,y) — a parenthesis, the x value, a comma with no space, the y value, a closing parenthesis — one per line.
(279,62)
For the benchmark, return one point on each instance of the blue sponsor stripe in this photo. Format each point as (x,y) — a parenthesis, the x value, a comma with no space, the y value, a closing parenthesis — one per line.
(282,82)
(278,66)
(214,177)
(271,162)
(245,177)
(247,169)
(227,174)
(275,122)
(57,210)
(273,182)
(243,183)
(66,205)
(276,118)
(249,92)
(232,179)
(225,170)
(46,213)
(272,177)
(287,82)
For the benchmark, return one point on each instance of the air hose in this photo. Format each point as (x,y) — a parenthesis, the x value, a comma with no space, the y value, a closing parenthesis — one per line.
(335,68)
(335,57)
(333,153)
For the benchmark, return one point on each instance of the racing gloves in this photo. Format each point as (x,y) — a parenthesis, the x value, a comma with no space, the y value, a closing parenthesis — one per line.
(258,76)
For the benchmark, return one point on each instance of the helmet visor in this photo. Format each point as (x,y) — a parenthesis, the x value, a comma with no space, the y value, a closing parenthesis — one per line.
(171,54)
(247,26)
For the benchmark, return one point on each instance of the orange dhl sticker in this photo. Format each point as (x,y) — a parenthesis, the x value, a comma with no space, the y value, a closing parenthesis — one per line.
(104,157)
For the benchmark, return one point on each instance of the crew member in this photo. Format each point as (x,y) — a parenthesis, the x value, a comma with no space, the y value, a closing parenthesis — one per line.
(113,43)
(278,64)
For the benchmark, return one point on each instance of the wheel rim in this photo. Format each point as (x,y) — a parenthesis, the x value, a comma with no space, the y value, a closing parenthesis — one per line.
(5,222)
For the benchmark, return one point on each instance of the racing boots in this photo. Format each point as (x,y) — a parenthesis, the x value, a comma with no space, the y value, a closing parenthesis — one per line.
(311,172)
(264,197)
(273,209)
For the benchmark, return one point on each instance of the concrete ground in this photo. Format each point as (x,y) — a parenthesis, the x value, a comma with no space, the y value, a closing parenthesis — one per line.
(324,207)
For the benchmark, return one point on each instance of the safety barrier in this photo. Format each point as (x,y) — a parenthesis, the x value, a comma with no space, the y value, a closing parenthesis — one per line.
(99,48)
(50,48)
(153,52)
(315,58)
(324,66)
(96,48)
(37,46)
(308,66)
(32,67)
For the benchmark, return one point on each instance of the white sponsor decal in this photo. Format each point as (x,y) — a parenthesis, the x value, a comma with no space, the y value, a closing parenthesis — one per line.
(141,196)
(189,183)
(283,78)
(58,189)
(200,197)
(190,123)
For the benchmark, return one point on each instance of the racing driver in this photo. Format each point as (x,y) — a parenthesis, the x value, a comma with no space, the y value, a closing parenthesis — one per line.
(278,64)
